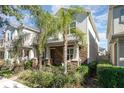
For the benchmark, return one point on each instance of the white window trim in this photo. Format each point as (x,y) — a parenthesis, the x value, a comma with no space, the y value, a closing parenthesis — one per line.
(74,51)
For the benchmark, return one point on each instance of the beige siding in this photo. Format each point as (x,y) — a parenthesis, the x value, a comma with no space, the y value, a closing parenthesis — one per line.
(82,23)
(121,53)
(93,48)
(92,42)
(117,27)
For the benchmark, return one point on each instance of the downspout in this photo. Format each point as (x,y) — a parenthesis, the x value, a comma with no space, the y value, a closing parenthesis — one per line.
(87,40)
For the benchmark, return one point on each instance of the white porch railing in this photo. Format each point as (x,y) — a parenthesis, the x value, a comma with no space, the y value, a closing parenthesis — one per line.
(60,39)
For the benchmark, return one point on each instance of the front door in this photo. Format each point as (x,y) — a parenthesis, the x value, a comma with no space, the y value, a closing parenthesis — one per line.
(56,55)
(52,55)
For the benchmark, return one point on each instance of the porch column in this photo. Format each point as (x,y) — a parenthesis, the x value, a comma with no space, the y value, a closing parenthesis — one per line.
(77,53)
(48,54)
(6,54)
(23,53)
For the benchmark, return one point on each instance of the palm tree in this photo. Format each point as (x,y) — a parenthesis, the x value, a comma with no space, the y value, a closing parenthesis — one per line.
(47,25)
(66,17)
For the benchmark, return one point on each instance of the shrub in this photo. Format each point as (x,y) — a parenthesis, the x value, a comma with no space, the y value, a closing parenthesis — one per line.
(92,67)
(46,79)
(54,77)
(24,75)
(6,73)
(59,80)
(36,78)
(104,62)
(28,64)
(84,71)
(110,76)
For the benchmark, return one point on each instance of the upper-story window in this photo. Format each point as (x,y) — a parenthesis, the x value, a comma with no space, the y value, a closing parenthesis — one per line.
(122,16)
(8,37)
(72,27)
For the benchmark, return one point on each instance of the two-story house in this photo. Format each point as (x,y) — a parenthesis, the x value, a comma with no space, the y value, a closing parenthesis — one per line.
(75,53)
(28,50)
(115,34)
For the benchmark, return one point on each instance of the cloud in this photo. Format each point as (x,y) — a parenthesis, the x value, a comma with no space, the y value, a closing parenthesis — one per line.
(102,36)
(13,21)
(100,15)
(55,8)
(93,8)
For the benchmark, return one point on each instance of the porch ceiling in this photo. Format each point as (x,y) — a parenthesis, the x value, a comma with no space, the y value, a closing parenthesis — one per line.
(119,35)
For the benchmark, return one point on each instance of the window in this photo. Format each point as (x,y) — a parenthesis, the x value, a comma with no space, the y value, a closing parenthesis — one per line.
(8,36)
(72,27)
(122,16)
(70,53)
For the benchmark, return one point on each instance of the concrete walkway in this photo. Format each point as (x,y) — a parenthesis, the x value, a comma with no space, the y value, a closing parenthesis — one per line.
(7,83)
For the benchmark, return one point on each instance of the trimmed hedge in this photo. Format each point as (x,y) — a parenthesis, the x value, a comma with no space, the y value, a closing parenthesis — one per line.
(110,76)
(104,62)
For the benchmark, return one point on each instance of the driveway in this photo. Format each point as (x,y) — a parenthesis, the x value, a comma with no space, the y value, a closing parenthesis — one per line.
(7,83)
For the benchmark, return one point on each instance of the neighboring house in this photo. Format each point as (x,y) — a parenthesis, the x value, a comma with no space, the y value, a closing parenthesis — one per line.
(75,53)
(102,51)
(115,34)
(2,48)
(28,50)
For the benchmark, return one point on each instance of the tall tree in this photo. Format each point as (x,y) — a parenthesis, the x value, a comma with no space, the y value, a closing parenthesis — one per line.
(66,17)
(46,23)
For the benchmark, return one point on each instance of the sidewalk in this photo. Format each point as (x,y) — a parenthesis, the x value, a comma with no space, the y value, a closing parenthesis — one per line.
(7,83)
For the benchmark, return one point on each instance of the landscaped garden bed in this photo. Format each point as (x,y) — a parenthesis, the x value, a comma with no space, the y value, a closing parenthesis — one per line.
(54,77)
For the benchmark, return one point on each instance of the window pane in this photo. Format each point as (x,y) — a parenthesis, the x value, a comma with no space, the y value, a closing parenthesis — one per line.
(71,56)
(67,57)
(122,15)
(122,18)
(71,51)
(67,51)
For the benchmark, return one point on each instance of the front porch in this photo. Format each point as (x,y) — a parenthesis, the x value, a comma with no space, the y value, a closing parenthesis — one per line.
(54,54)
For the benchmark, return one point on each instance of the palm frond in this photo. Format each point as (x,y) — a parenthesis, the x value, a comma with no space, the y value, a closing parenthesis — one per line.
(81,36)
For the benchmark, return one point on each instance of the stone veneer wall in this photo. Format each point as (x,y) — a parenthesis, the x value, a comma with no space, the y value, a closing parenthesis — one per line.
(83,54)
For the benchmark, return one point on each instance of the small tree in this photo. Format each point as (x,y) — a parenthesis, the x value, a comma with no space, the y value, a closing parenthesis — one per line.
(47,25)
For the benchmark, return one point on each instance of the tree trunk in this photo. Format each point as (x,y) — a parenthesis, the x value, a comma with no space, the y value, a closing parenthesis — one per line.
(65,50)
(40,62)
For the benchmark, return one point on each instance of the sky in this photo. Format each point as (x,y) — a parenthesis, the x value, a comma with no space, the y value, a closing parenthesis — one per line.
(99,13)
